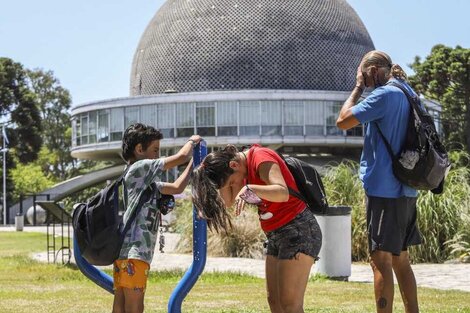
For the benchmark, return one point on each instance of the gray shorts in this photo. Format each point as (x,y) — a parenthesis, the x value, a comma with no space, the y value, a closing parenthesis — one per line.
(392,224)
(302,234)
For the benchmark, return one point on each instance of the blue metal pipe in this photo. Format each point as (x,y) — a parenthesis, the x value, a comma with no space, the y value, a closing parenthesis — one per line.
(94,274)
(199,248)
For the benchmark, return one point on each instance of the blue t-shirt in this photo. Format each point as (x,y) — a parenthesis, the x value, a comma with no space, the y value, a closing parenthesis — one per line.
(389,108)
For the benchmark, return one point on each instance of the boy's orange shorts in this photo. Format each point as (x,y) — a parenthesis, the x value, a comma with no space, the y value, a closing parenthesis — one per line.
(131,274)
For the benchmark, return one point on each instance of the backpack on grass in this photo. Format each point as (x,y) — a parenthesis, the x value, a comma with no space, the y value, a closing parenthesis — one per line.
(98,228)
(309,183)
(422,162)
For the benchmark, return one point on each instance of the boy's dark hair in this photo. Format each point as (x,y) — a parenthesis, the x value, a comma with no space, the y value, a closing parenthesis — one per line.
(135,134)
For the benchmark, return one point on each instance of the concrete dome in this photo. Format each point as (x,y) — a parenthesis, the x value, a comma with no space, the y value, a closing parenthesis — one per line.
(204,45)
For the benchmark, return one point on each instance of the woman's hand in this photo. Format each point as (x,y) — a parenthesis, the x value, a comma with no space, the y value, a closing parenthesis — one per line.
(246,195)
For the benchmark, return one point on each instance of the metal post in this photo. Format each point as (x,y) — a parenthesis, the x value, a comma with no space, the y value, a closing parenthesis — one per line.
(21,204)
(4,176)
(34,210)
(199,248)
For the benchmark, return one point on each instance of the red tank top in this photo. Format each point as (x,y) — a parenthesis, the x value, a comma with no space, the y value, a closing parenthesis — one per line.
(273,214)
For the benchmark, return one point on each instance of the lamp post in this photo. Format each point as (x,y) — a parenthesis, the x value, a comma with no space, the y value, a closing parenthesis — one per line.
(4,150)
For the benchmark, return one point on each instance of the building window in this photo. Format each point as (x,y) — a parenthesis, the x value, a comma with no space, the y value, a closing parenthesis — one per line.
(227,113)
(84,128)
(131,116)
(271,118)
(184,119)
(314,118)
(76,131)
(148,115)
(166,119)
(92,125)
(103,126)
(205,119)
(357,131)
(117,123)
(332,111)
(249,118)
(293,118)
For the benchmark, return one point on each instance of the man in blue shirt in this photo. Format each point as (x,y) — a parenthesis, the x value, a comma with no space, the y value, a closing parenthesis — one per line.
(391,206)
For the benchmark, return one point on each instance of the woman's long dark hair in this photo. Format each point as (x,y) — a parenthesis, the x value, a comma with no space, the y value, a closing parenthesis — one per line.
(206,180)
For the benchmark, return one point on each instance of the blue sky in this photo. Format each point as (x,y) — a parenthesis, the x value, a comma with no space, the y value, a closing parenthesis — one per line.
(89,45)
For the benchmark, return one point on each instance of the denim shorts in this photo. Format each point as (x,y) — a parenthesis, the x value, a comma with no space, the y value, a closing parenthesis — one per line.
(301,235)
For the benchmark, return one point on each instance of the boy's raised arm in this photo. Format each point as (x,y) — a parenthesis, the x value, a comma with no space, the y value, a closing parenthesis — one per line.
(180,183)
(184,154)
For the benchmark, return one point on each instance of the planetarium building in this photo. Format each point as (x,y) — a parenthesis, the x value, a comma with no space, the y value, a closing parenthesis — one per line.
(274,72)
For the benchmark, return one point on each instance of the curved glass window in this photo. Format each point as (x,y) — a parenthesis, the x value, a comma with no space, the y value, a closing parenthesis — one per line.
(222,118)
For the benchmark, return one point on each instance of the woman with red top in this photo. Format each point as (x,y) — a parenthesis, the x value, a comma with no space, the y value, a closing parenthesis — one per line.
(259,176)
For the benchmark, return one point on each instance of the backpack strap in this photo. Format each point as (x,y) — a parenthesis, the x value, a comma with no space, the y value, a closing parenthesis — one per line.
(143,198)
(292,192)
(412,100)
(387,144)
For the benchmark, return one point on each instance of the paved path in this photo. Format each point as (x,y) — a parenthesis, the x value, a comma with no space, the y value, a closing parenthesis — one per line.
(440,276)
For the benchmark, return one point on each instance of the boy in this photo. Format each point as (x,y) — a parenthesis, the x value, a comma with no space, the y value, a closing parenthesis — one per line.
(140,149)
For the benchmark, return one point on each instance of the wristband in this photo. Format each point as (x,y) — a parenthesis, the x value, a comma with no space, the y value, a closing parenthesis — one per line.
(360,88)
(193,142)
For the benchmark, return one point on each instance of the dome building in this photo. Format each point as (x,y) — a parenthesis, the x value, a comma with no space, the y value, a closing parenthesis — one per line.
(273,72)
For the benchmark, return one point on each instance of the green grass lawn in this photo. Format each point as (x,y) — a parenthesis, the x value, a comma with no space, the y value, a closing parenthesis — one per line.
(30,286)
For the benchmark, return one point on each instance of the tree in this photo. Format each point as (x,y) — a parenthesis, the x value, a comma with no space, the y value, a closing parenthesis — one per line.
(29,179)
(444,76)
(18,106)
(54,103)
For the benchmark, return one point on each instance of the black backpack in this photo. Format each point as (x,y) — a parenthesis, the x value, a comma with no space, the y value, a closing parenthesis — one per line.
(422,162)
(309,183)
(99,229)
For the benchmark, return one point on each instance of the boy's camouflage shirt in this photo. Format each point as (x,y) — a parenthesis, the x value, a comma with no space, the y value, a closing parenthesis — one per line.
(139,242)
